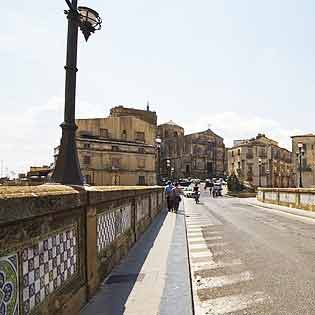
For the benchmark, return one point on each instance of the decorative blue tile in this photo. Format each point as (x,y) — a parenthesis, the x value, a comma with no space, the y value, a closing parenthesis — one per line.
(9,297)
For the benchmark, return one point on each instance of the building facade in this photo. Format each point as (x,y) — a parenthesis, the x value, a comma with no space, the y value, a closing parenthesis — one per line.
(308,160)
(118,149)
(261,162)
(198,155)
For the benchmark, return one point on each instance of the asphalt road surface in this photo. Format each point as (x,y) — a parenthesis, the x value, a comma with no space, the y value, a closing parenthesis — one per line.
(247,259)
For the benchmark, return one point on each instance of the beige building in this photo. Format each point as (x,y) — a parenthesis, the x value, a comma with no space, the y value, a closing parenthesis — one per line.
(197,155)
(307,144)
(118,149)
(261,162)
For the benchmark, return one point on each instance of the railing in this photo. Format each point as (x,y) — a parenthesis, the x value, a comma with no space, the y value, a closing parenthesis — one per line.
(302,198)
(58,243)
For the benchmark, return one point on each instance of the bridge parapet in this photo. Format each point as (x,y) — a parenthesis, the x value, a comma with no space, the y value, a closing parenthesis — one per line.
(300,198)
(57,243)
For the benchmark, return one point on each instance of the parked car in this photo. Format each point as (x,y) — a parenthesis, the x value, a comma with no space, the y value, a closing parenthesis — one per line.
(184,182)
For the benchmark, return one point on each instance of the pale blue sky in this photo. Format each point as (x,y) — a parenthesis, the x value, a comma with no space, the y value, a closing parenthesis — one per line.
(242,66)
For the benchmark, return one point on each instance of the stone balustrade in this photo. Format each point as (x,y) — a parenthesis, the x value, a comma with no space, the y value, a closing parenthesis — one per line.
(57,243)
(301,198)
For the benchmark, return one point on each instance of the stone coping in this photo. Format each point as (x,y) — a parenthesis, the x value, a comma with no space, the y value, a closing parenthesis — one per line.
(26,202)
(292,190)
(56,189)
(34,191)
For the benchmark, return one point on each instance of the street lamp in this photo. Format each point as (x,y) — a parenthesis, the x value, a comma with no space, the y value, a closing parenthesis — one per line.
(158,142)
(299,156)
(267,173)
(168,167)
(67,168)
(259,172)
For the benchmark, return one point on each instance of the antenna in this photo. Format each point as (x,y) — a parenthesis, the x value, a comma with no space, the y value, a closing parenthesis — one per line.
(148,106)
(209,126)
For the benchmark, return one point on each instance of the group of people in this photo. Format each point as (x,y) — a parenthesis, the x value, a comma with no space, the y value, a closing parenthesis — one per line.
(215,188)
(173,196)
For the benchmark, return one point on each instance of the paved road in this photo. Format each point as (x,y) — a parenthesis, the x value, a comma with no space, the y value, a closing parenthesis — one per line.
(250,260)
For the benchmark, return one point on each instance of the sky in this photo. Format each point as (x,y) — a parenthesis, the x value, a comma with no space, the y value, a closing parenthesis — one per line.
(243,67)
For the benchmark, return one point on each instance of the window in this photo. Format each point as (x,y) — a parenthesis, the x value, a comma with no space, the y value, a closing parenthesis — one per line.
(115,163)
(115,180)
(210,146)
(166,133)
(86,146)
(175,134)
(141,163)
(86,159)
(115,148)
(141,180)
(124,135)
(232,153)
(140,136)
(239,152)
(141,150)
(104,133)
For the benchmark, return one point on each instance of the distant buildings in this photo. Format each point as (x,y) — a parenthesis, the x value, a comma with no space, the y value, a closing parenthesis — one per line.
(198,155)
(118,149)
(307,147)
(261,162)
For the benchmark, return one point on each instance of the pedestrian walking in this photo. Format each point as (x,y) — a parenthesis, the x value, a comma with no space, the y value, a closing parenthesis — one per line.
(211,187)
(168,192)
(175,197)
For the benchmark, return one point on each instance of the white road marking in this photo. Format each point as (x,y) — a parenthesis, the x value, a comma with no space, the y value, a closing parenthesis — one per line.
(201,254)
(233,303)
(221,281)
(206,246)
(207,265)
(206,238)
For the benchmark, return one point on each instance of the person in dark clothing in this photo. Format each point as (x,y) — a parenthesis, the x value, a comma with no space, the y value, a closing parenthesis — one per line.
(175,196)
(168,191)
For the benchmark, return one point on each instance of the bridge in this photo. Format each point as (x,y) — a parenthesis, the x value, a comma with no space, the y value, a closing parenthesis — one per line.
(116,250)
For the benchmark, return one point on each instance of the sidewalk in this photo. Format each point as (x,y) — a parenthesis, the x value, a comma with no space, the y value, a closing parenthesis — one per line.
(293,211)
(154,278)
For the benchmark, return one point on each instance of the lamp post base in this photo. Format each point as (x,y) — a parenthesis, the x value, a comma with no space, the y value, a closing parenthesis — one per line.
(67,169)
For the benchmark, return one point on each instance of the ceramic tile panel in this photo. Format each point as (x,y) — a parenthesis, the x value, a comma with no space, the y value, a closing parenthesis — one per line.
(111,224)
(46,266)
(9,288)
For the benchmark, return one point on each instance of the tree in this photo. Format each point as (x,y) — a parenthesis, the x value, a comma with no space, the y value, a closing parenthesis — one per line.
(234,184)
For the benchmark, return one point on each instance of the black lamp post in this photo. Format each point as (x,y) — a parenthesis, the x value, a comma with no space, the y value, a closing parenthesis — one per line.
(158,171)
(267,179)
(67,168)
(168,167)
(299,156)
(259,172)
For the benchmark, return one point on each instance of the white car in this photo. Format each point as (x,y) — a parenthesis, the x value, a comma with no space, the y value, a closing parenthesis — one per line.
(188,192)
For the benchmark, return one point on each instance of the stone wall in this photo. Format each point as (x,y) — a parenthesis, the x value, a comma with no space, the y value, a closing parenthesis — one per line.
(301,198)
(57,243)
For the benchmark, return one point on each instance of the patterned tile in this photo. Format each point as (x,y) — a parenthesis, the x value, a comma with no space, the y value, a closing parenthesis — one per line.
(142,209)
(9,297)
(111,224)
(46,266)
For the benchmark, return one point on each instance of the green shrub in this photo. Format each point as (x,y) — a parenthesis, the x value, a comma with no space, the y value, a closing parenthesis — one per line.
(234,184)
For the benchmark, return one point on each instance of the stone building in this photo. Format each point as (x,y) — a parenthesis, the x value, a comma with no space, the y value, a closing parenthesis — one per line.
(261,162)
(197,155)
(308,159)
(118,149)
